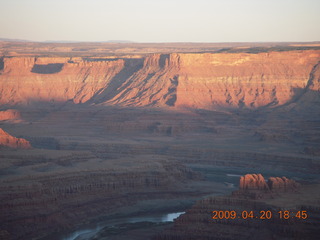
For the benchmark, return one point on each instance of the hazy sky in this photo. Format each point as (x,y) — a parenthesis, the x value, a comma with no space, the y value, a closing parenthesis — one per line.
(162,20)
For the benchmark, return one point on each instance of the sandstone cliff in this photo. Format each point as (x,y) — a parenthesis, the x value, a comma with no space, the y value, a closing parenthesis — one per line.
(9,114)
(9,141)
(208,80)
(257,182)
(282,184)
(253,181)
(254,186)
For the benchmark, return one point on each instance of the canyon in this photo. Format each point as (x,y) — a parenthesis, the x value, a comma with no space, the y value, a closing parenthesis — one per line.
(95,131)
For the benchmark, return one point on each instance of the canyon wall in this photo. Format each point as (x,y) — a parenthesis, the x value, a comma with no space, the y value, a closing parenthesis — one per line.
(55,196)
(198,80)
(6,140)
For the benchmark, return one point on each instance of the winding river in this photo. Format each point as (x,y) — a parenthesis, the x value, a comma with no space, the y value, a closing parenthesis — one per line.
(89,232)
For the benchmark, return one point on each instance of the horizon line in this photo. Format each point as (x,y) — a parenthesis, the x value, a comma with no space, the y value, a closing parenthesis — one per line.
(136,42)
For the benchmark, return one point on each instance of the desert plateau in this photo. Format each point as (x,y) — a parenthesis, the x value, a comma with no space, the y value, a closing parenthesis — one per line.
(94,134)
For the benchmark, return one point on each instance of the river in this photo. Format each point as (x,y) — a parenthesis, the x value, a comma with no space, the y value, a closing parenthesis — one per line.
(91,231)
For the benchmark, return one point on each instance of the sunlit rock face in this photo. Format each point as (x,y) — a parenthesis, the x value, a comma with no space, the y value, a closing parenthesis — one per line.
(6,140)
(181,80)
(9,114)
(258,182)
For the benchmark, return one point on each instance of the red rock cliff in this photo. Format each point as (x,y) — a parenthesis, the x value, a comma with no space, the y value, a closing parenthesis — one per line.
(253,181)
(9,114)
(209,80)
(9,141)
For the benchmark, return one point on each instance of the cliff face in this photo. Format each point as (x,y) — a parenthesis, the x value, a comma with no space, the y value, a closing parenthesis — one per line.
(210,81)
(25,80)
(257,182)
(250,80)
(9,114)
(253,181)
(9,141)
(254,186)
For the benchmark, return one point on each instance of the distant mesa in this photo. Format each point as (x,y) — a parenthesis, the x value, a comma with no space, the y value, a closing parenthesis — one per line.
(62,41)
(6,140)
(71,41)
(13,40)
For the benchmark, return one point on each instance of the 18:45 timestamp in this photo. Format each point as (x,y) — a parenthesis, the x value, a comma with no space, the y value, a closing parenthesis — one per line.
(268,214)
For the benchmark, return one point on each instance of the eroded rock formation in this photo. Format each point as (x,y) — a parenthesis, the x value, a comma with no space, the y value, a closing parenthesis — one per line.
(256,187)
(257,182)
(9,141)
(253,182)
(208,81)
(200,222)
(282,184)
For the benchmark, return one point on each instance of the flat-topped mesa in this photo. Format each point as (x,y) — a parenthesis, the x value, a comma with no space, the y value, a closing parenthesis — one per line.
(180,80)
(7,140)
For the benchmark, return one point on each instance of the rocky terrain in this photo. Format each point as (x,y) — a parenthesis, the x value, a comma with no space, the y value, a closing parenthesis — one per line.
(53,201)
(9,114)
(200,222)
(6,140)
(92,131)
(211,81)
(254,186)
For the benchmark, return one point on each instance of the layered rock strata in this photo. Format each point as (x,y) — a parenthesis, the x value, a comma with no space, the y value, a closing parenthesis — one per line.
(56,197)
(208,81)
(9,114)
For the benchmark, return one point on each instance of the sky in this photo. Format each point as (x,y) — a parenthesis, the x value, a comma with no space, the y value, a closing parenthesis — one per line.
(162,20)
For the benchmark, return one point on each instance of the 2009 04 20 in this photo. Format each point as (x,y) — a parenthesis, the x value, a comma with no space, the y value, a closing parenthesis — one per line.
(263,214)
